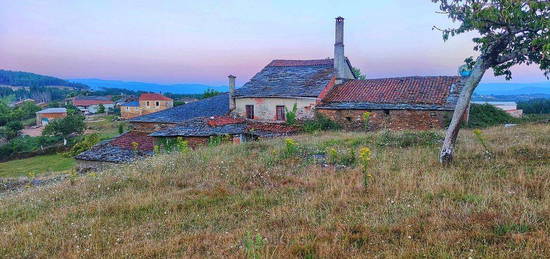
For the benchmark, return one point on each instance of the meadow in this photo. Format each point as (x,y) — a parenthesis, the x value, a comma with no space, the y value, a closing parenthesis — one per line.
(312,196)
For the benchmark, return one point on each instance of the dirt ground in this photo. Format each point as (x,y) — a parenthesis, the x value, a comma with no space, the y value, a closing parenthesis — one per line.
(33,132)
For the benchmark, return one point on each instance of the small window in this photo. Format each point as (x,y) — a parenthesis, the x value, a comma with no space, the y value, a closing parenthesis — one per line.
(280,112)
(147,103)
(249,111)
(348,118)
(127,108)
(158,103)
(387,112)
(433,114)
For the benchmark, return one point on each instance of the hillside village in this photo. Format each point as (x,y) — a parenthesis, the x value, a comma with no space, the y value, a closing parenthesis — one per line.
(307,157)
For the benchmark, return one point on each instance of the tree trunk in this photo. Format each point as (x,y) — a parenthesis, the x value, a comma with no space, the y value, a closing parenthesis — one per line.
(447,150)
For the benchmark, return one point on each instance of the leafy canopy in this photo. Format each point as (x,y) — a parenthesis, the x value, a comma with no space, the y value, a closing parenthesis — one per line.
(510,31)
(64,127)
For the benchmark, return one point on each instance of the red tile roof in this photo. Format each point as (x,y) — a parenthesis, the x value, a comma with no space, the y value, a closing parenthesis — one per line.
(407,90)
(125,140)
(223,120)
(153,97)
(297,63)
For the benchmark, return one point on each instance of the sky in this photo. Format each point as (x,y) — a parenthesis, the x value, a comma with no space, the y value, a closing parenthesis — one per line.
(203,41)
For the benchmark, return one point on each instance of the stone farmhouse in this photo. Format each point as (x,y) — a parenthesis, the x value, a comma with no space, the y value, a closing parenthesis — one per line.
(259,108)
(147,103)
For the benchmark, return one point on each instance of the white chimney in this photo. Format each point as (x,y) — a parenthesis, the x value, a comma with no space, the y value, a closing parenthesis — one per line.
(231,92)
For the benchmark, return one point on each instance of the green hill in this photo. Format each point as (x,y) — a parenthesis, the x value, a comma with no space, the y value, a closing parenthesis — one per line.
(25,79)
(272,199)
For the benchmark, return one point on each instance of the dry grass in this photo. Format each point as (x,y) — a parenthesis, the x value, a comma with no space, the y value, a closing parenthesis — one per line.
(249,200)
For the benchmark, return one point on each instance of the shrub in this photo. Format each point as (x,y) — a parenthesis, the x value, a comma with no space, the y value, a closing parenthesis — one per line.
(88,142)
(182,144)
(291,148)
(535,106)
(319,123)
(366,118)
(291,115)
(120,128)
(486,115)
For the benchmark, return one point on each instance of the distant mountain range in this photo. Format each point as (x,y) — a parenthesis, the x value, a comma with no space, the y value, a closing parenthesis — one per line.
(98,84)
(26,79)
(513,88)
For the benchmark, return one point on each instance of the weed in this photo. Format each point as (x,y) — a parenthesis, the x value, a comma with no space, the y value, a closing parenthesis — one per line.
(364,159)
(253,245)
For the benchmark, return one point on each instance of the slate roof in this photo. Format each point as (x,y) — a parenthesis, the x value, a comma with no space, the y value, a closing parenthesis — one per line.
(119,149)
(199,127)
(153,97)
(430,92)
(53,110)
(289,78)
(213,106)
(216,126)
(131,104)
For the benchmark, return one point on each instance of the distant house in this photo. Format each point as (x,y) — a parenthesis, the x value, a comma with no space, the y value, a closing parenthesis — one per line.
(91,104)
(148,103)
(394,103)
(43,117)
(509,107)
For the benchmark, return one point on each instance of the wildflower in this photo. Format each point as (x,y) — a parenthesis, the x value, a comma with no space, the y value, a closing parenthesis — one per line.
(135,146)
(366,118)
(364,158)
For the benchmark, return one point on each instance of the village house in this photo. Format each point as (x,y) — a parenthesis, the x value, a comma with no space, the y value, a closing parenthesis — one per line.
(91,104)
(43,117)
(419,103)
(282,84)
(147,103)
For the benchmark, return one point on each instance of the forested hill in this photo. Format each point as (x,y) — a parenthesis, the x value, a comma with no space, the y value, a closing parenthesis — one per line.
(18,78)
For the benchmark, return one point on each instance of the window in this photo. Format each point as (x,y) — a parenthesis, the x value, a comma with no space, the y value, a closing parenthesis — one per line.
(158,104)
(387,112)
(249,111)
(280,112)
(127,108)
(433,114)
(147,103)
(348,118)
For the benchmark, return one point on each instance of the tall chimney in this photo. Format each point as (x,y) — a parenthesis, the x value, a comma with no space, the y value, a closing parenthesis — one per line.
(339,58)
(231,93)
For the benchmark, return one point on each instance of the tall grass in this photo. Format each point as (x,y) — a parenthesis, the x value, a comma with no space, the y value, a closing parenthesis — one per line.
(249,200)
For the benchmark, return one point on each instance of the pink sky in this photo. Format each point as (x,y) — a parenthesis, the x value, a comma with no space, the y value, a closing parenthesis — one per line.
(203,42)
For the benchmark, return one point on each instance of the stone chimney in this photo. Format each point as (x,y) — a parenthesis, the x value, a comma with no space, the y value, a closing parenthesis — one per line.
(339,58)
(231,93)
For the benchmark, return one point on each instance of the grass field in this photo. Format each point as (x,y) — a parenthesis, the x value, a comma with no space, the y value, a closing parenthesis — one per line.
(36,165)
(271,199)
(105,126)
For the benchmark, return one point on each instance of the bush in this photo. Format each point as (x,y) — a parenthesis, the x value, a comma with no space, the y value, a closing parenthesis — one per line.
(291,115)
(535,106)
(486,115)
(319,123)
(87,143)
(24,144)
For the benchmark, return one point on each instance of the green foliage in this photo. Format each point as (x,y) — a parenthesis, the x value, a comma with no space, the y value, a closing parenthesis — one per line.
(320,123)
(182,145)
(120,128)
(341,156)
(64,127)
(291,148)
(209,93)
(291,115)
(503,229)
(253,246)
(486,115)
(357,73)
(25,144)
(364,159)
(24,111)
(366,119)
(510,32)
(405,139)
(101,108)
(535,106)
(12,129)
(88,142)
(217,140)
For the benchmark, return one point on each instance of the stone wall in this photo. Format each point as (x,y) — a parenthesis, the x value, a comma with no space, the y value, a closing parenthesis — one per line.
(128,112)
(147,107)
(264,108)
(389,119)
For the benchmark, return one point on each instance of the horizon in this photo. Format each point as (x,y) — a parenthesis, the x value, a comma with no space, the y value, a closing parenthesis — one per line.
(159,43)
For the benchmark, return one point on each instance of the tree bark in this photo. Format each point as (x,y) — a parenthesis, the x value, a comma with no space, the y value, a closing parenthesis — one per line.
(470,84)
